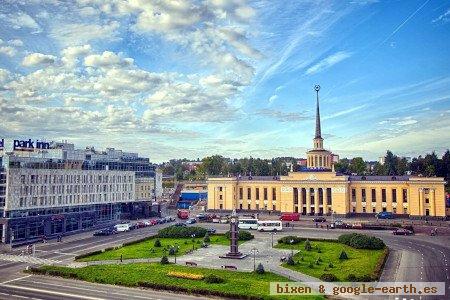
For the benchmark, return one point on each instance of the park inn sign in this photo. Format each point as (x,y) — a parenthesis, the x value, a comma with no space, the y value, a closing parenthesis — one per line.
(26,145)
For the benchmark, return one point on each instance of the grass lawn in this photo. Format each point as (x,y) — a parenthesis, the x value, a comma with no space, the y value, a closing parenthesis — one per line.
(236,283)
(146,249)
(360,261)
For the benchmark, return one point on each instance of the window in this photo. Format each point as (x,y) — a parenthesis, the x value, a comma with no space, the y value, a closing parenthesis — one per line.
(274,194)
(257,206)
(241,193)
(249,193)
(257,193)
(427,200)
(405,210)
(364,209)
(221,206)
(374,195)
(248,206)
(363,195)
(427,212)
(383,195)
(354,209)
(353,195)
(265,193)
(328,196)
(374,210)
(220,197)
(220,188)
(273,207)
(311,198)
(405,195)
(295,196)
(394,195)
(394,210)
(304,196)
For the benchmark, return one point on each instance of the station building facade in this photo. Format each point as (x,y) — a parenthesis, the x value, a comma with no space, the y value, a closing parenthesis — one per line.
(319,190)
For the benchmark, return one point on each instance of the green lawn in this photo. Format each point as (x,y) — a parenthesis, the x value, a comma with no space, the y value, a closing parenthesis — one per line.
(360,261)
(146,249)
(236,283)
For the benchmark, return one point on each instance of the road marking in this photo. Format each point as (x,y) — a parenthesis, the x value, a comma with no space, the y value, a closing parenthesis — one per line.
(20,278)
(51,292)
(86,289)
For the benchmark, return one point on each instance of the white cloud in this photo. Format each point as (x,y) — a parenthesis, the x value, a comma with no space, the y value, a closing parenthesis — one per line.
(445,17)
(16,43)
(75,34)
(344,112)
(273,98)
(4,75)
(328,62)
(406,121)
(70,55)
(20,20)
(35,59)
(8,50)
(107,59)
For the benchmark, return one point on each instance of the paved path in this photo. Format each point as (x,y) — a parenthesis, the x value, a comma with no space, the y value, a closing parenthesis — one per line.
(27,259)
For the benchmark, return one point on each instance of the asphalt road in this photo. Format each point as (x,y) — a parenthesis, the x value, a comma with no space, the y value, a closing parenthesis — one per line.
(412,258)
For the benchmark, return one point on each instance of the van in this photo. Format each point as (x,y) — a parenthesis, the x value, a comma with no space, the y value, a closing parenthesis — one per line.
(290,217)
(122,227)
(384,215)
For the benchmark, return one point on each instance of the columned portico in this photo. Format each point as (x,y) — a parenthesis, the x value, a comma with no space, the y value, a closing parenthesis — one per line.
(316,201)
(308,201)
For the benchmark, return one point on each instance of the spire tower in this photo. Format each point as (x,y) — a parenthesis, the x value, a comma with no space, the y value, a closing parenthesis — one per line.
(318,131)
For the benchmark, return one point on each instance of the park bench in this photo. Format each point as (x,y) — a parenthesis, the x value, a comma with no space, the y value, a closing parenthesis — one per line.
(229,267)
(190,263)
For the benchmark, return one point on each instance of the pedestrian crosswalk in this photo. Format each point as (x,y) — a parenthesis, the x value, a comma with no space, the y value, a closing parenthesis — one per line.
(26,259)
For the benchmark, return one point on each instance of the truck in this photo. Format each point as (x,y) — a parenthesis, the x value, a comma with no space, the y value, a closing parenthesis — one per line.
(290,217)
(183,214)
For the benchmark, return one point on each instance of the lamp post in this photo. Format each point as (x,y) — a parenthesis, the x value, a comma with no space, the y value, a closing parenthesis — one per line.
(175,252)
(292,250)
(272,234)
(193,242)
(254,252)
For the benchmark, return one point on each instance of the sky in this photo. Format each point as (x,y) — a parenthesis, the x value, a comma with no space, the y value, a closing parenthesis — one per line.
(187,79)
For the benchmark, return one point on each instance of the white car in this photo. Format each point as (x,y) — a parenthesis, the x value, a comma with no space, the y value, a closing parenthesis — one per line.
(122,227)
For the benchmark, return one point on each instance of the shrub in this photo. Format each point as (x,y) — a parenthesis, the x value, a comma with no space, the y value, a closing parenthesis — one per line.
(206,239)
(185,275)
(243,235)
(290,261)
(311,266)
(343,255)
(308,245)
(172,251)
(157,243)
(328,277)
(317,262)
(182,232)
(211,278)
(287,240)
(330,265)
(361,241)
(352,278)
(260,269)
(164,260)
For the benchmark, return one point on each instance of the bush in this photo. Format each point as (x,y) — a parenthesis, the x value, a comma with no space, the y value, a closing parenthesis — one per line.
(287,240)
(330,265)
(172,251)
(157,243)
(361,241)
(328,277)
(182,232)
(211,278)
(290,261)
(164,260)
(308,245)
(343,255)
(311,266)
(243,235)
(206,239)
(352,278)
(260,269)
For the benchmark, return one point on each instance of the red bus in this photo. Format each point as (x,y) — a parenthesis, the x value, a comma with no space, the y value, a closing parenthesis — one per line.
(183,214)
(290,217)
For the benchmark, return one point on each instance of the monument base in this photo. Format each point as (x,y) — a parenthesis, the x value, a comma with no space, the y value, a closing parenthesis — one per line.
(230,255)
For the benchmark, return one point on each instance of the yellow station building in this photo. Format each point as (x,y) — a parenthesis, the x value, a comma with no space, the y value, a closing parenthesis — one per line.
(319,190)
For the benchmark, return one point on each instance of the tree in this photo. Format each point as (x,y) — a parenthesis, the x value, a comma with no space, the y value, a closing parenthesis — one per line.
(342,166)
(358,166)
(260,269)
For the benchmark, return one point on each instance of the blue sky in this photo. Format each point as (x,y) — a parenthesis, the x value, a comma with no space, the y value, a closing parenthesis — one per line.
(173,79)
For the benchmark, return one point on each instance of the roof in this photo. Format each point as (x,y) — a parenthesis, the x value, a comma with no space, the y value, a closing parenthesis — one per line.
(378,178)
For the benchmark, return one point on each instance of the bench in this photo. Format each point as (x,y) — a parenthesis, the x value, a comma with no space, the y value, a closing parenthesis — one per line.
(190,263)
(229,267)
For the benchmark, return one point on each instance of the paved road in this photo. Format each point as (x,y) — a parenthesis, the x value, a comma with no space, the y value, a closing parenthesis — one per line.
(413,258)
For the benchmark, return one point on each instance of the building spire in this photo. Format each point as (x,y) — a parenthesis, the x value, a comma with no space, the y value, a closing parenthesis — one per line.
(318,131)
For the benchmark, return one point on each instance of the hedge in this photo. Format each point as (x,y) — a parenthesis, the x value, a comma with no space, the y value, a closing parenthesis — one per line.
(243,235)
(361,241)
(380,264)
(287,240)
(182,232)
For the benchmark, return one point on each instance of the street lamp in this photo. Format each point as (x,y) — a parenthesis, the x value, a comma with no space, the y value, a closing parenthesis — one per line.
(193,242)
(272,234)
(175,252)
(292,250)
(254,252)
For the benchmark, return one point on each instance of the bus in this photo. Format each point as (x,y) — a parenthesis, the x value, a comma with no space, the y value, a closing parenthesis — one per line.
(248,224)
(270,225)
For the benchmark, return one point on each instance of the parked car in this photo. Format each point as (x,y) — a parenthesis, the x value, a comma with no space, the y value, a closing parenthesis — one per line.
(384,215)
(122,227)
(402,231)
(290,217)
(169,219)
(179,224)
(153,222)
(319,220)
(216,220)
(191,221)
(211,230)
(201,217)
(224,220)
(105,232)
(140,224)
